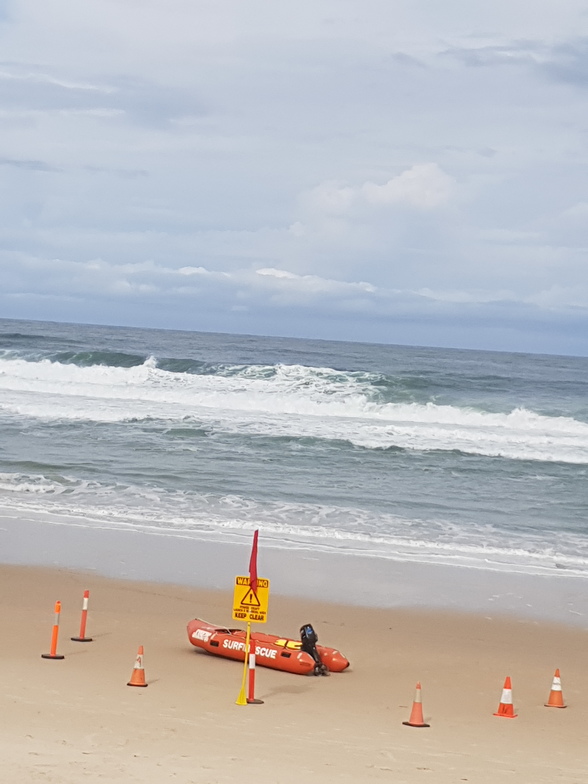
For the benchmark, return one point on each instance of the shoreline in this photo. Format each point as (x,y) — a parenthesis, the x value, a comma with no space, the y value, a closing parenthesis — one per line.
(336,578)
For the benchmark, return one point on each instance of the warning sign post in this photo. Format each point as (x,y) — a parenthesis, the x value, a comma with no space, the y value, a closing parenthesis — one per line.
(249,605)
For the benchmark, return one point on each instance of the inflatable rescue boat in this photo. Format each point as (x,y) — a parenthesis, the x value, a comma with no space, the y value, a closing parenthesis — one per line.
(302,657)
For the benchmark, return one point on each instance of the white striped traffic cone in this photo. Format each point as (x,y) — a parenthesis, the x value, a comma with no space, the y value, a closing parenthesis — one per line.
(555,695)
(138,676)
(505,709)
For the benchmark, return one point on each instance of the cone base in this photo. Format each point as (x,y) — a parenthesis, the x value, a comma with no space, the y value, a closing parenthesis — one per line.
(81,639)
(505,716)
(408,724)
(141,685)
(254,702)
(549,705)
(52,656)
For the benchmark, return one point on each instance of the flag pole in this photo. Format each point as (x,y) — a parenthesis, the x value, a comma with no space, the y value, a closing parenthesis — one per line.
(242,699)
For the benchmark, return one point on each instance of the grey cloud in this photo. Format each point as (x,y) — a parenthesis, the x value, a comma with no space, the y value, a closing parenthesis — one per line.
(403,59)
(141,100)
(568,63)
(28,165)
(512,53)
(130,174)
(152,103)
(30,88)
(563,62)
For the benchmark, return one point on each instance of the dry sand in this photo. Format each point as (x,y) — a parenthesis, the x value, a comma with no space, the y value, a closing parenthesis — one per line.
(77,720)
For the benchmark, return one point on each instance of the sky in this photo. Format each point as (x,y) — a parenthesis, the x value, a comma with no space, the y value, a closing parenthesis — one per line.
(411,172)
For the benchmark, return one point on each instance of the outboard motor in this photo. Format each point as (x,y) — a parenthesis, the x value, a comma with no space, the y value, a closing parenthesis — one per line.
(309,639)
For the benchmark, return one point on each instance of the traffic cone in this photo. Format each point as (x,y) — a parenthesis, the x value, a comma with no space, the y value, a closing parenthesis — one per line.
(505,709)
(138,676)
(416,715)
(555,695)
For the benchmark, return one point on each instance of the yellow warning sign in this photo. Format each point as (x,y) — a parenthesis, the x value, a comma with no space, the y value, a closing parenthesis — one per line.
(250,605)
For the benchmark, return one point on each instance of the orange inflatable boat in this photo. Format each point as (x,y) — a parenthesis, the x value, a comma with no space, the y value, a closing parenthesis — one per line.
(302,657)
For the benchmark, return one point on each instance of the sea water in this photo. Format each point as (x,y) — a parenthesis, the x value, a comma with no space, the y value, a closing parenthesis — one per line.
(468,458)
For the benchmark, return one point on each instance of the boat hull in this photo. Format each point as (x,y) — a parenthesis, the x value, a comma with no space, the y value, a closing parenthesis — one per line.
(279,653)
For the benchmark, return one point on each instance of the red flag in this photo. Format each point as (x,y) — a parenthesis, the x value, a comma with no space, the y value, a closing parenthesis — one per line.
(253,564)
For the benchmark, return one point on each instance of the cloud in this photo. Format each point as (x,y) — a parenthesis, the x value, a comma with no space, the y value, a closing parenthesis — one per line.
(40,166)
(515,53)
(34,75)
(331,198)
(561,297)
(28,88)
(568,62)
(297,168)
(423,186)
(473,296)
(565,61)
(300,287)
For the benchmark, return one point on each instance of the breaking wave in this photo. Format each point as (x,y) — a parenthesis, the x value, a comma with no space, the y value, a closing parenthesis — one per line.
(366,410)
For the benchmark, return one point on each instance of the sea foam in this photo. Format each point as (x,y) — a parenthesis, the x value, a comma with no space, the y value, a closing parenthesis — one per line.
(284,401)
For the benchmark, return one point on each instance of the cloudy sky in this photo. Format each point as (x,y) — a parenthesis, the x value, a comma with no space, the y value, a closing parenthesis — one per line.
(395,171)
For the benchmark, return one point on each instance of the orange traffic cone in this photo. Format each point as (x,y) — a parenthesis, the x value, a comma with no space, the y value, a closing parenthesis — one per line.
(505,709)
(416,715)
(138,676)
(555,695)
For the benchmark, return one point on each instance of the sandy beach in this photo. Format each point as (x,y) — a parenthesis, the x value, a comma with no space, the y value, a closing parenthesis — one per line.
(76,719)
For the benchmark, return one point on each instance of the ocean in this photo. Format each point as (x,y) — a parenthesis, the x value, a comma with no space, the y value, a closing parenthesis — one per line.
(454,457)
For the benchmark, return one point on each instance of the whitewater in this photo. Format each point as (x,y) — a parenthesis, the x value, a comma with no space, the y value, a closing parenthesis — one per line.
(469,458)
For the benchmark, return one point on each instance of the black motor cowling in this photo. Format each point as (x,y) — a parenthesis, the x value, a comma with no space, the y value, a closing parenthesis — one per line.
(309,639)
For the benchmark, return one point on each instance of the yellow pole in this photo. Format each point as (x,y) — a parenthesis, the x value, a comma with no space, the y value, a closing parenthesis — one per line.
(242,699)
